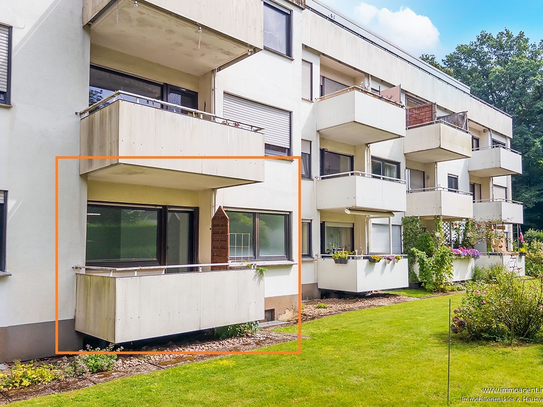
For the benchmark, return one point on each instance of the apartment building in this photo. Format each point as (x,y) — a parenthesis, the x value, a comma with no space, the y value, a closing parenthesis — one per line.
(131,86)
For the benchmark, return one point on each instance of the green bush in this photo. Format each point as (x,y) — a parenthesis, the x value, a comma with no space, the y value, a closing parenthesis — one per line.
(24,375)
(508,309)
(83,365)
(534,258)
(231,331)
(425,243)
(533,234)
(320,305)
(488,274)
(435,272)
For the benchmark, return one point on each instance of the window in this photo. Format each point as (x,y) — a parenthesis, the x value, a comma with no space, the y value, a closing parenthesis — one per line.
(499,193)
(261,236)
(3,222)
(336,236)
(5,64)
(452,182)
(335,163)
(415,179)
(104,82)
(498,143)
(380,239)
(306,159)
(275,122)
(307,80)
(306,238)
(277,28)
(330,86)
(474,143)
(385,168)
(146,236)
(475,190)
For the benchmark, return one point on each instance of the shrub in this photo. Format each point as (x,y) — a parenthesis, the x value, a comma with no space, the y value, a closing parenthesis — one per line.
(534,259)
(488,274)
(320,305)
(425,243)
(83,365)
(24,375)
(533,234)
(508,309)
(231,331)
(435,272)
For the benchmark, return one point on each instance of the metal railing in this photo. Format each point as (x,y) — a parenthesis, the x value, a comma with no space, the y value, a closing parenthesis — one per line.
(362,90)
(496,146)
(497,200)
(456,191)
(158,269)
(361,174)
(160,104)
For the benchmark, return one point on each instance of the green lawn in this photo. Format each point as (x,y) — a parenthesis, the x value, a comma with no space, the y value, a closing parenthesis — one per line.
(387,356)
(410,292)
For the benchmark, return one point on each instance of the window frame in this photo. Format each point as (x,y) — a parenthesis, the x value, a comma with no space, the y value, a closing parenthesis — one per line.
(7,94)
(310,99)
(307,156)
(288,35)
(452,177)
(162,241)
(256,235)
(474,188)
(383,162)
(3,229)
(325,224)
(322,155)
(309,224)
(475,143)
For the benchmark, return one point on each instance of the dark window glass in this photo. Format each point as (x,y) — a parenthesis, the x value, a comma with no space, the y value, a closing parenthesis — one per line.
(270,149)
(103,83)
(475,191)
(330,86)
(122,235)
(276,29)
(498,143)
(182,97)
(258,235)
(306,238)
(334,163)
(179,238)
(306,159)
(385,168)
(337,236)
(452,182)
(474,143)
(415,179)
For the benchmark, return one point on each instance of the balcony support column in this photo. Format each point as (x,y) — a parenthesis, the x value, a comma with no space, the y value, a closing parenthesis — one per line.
(390,235)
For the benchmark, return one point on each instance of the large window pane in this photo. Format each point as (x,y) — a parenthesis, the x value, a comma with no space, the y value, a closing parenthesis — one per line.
(241,234)
(179,239)
(272,235)
(333,163)
(337,236)
(306,238)
(276,29)
(116,234)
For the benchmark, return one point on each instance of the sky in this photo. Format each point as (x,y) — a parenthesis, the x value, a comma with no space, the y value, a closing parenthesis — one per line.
(438,26)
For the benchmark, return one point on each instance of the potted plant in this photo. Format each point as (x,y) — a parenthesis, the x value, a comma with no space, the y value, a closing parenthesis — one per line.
(341,257)
(375,258)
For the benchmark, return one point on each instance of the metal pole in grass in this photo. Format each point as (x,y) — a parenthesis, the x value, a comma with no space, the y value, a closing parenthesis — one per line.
(449,358)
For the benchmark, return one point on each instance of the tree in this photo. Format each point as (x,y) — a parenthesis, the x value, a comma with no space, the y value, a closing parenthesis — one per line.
(506,71)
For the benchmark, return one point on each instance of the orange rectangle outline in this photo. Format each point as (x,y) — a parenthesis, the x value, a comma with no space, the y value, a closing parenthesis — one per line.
(77,157)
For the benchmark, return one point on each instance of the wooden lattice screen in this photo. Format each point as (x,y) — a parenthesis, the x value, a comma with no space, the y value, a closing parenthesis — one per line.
(220,230)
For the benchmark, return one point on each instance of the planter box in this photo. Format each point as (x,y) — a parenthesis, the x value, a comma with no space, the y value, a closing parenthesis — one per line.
(462,269)
(512,261)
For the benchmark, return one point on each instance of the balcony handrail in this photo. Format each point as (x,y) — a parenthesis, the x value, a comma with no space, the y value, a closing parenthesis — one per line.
(360,89)
(437,121)
(360,174)
(117,95)
(496,146)
(456,191)
(163,268)
(498,200)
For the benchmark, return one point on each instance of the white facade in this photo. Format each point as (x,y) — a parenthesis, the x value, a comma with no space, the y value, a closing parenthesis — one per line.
(203,79)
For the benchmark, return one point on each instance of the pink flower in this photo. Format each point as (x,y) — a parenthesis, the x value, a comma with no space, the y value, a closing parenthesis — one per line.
(477,292)
(541,307)
(484,302)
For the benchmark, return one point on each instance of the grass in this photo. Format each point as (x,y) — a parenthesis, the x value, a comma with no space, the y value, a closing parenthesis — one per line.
(387,356)
(410,292)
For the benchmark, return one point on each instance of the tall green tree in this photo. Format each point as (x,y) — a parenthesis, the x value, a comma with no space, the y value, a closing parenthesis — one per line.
(506,71)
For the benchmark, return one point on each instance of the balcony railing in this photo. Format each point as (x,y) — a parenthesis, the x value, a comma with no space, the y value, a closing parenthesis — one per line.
(496,146)
(456,191)
(439,201)
(161,104)
(361,174)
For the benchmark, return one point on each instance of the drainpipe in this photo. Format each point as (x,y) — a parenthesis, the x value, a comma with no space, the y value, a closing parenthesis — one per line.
(212,97)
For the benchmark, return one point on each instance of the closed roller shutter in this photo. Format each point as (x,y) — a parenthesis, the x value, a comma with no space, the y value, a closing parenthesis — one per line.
(307,68)
(5,45)
(276,122)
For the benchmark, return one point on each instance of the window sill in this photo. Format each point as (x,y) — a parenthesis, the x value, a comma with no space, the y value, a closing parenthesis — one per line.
(4,274)
(278,53)
(308,100)
(267,263)
(5,106)
(308,259)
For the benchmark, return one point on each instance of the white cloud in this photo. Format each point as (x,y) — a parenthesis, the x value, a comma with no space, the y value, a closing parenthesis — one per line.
(405,28)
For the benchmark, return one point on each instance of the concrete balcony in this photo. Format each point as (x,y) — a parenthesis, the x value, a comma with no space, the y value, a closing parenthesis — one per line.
(360,191)
(117,307)
(430,202)
(494,162)
(503,211)
(435,142)
(128,130)
(355,116)
(360,275)
(190,36)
